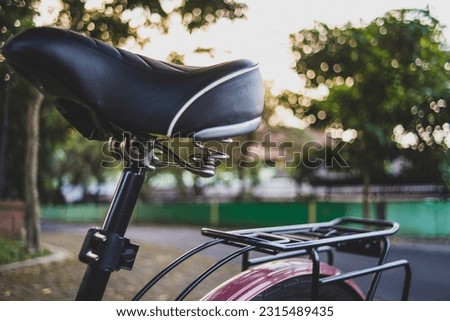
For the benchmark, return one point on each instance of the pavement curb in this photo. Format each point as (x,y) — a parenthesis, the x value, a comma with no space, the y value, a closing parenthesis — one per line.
(57,254)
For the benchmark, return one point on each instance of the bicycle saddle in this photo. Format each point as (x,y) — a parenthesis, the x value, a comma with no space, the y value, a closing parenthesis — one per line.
(104,91)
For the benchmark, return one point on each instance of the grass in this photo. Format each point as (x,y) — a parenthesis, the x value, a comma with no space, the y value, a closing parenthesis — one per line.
(15,251)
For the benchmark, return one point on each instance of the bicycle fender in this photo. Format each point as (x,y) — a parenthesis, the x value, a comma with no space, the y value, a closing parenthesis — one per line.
(248,284)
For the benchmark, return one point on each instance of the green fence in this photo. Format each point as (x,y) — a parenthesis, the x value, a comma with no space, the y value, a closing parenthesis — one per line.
(422,218)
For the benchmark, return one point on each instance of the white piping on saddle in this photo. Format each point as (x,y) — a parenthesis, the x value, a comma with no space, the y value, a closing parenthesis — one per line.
(202,92)
(224,131)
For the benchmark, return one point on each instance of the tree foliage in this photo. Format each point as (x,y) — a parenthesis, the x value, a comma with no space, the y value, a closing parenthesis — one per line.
(387,89)
(116,21)
(15,16)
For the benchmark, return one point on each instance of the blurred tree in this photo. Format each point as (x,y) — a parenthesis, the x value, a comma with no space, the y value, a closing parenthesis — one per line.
(17,15)
(384,87)
(31,191)
(117,21)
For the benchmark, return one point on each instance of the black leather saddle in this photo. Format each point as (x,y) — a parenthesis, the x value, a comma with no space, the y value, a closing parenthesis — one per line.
(104,91)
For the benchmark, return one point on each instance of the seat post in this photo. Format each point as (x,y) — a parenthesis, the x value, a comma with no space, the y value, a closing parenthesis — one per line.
(116,222)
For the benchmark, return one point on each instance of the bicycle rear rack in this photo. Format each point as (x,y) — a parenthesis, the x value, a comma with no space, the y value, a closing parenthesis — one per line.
(340,233)
(353,235)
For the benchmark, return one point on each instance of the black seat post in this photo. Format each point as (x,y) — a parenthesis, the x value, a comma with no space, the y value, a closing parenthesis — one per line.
(116,222)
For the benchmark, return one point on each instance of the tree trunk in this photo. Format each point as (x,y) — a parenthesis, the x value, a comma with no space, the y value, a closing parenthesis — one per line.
(243,187)
(366,193)
(243,171)
(198,188)
(4,134)
(381,210)
(182,189)
(32,206)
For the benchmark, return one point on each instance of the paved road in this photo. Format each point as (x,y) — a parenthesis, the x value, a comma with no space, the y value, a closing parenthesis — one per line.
(430,272)
(430,261)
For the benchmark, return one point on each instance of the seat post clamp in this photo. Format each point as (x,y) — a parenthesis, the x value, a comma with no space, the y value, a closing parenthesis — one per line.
(108,251)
